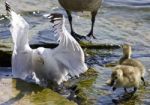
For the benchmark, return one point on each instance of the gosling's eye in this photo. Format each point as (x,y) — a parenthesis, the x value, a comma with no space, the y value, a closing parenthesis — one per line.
(115,77)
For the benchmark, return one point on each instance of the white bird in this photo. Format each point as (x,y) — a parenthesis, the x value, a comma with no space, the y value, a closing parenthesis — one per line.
(47,64)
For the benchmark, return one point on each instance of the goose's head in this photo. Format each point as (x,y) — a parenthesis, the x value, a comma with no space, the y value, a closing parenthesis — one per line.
(127,50)
(54,17)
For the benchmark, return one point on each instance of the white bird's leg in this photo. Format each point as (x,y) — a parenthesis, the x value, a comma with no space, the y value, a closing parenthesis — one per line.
(92,26)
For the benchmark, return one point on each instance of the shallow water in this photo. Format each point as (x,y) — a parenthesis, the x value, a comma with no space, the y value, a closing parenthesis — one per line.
(117,22)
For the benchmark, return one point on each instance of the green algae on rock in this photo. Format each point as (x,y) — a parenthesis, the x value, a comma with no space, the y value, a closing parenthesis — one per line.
(91,45)
(18,92)
(84,87)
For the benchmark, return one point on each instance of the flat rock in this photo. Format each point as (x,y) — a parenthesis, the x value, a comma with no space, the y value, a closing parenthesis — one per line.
(18,92)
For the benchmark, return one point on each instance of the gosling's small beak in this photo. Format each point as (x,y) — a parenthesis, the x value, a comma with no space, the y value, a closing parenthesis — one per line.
(112,82)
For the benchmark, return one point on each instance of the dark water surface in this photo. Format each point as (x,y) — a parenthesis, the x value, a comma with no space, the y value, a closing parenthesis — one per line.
(117,22)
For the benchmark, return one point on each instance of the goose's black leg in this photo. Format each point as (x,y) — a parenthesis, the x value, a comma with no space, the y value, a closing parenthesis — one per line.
(92,26)
(76,36)
(70,21)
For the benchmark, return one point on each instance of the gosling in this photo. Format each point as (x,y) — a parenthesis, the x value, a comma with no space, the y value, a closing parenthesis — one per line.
(126,77)
(80,6)
(127,60)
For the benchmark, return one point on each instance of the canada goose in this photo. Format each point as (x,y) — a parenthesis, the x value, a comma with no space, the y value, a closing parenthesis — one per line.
(81,5)
(47,64)
(127,60)
(126,77)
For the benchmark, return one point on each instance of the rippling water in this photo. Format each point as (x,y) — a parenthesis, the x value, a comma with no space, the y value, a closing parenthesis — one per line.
(117,22)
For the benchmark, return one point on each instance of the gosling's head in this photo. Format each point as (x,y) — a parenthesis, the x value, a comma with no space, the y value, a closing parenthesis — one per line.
(116,75)
(127,50)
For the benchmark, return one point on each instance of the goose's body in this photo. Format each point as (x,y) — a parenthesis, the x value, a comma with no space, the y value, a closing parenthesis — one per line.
(48,64)
(80,6)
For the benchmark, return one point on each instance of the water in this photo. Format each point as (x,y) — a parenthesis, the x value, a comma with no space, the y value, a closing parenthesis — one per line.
(117,22)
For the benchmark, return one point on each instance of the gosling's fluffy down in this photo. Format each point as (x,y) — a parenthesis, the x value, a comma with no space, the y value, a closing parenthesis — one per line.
(128,73)
(135,63)
(127,60)
(126,77)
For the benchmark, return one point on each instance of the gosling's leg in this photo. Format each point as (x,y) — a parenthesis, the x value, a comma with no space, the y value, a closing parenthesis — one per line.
(125,89)
(76,36)
(142,78)
(135,89)
(114,88)
(92,26)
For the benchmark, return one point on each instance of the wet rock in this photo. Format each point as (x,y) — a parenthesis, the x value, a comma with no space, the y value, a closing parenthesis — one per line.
(5,50)
(18,92)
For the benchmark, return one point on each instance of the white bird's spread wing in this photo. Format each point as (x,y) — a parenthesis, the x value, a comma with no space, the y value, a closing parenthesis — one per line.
(22,53)
(70,54)
(19,31)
